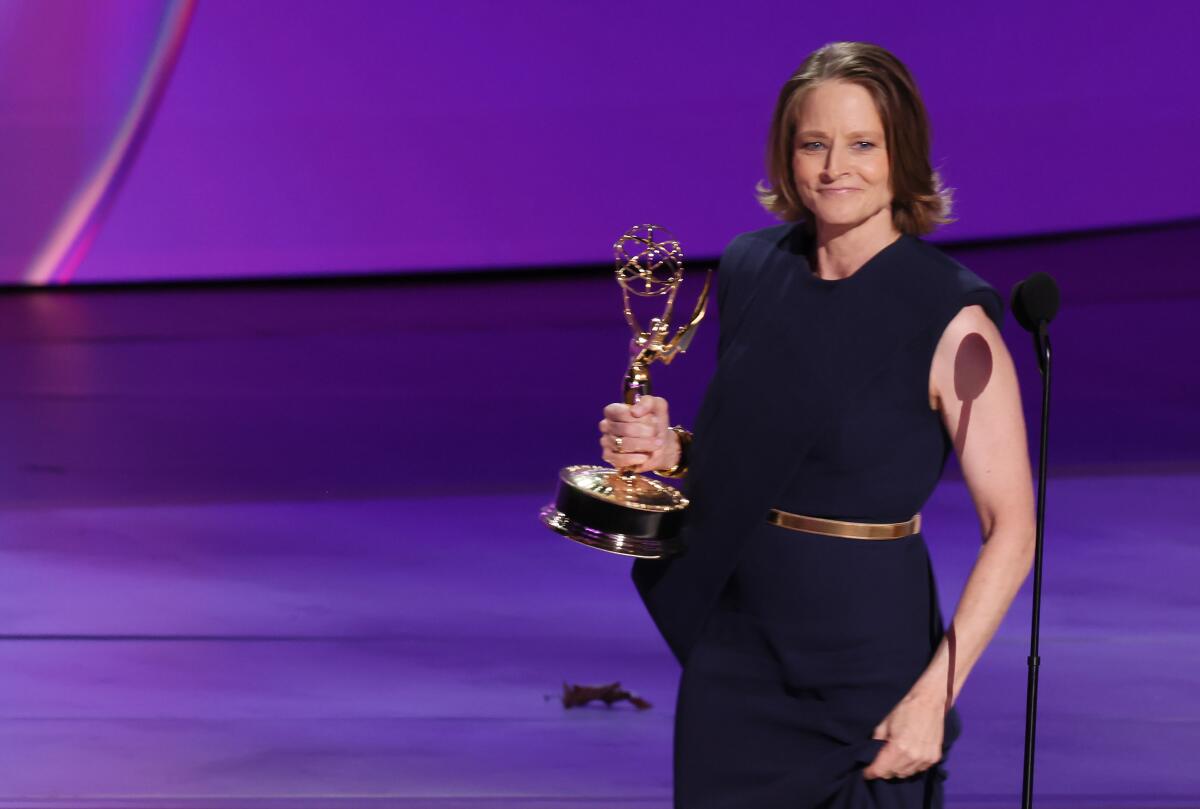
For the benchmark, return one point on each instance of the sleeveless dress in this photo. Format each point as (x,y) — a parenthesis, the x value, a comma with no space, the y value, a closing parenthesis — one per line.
(796,645)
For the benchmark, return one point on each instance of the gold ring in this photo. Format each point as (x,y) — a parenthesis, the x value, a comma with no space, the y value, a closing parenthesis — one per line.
(617,441)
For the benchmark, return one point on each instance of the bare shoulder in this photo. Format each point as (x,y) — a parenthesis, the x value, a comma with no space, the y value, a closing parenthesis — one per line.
(970,319)
(973,385)
(969,353)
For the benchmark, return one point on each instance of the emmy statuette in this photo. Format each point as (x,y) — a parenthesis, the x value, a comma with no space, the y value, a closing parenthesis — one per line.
(618,510)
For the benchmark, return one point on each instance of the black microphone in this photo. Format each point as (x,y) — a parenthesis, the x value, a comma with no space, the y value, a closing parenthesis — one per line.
(1035,300)
(1034,303)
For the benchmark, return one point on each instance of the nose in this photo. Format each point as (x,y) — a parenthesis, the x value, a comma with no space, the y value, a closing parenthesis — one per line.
(834,164)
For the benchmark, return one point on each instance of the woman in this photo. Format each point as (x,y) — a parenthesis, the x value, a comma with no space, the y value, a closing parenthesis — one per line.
(852,357)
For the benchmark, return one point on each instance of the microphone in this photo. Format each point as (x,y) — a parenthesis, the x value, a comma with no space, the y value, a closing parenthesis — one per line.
(1035,300)
(1034,304)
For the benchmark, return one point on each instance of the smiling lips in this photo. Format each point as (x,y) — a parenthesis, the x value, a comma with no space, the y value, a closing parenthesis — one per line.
(837,190)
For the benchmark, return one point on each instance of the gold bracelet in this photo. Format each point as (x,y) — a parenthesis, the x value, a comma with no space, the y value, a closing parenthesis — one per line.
(680,468)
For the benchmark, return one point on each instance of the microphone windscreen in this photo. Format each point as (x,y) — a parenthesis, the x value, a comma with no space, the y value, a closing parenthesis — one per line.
(1017,306)
(1035,300)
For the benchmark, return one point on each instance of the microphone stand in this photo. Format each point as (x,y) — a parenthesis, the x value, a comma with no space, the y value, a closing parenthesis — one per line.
(1042,343)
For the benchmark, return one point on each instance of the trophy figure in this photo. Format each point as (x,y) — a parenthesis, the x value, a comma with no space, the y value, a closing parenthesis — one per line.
(618,510)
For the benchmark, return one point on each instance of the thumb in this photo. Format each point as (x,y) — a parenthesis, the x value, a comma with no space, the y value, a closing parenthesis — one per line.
(881,732)
(660,409)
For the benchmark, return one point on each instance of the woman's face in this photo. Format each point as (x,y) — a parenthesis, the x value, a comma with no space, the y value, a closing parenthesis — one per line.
(839,158)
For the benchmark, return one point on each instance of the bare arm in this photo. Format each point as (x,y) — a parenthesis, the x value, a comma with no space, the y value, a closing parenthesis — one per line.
(973,385)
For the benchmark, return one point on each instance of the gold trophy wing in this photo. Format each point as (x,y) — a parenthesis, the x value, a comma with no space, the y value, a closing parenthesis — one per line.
(683,335)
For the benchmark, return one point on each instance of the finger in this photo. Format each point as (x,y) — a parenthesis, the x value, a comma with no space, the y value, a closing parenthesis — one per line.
(632,461)
(630,444)
(661,411)
(916,767)
(618,412)
(631,429)
(872,770)
(878,772)
(647,406)
(904,764)
(884,765)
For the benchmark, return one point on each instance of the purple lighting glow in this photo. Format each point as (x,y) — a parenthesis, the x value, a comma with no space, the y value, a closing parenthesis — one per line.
(301,138)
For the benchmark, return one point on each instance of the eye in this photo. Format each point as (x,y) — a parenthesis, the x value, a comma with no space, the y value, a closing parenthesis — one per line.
(864,145)
(811,146)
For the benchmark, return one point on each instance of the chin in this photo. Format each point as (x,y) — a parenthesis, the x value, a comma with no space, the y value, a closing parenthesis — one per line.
(840,219)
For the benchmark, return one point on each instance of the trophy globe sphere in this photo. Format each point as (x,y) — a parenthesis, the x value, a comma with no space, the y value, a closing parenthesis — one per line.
(649,260)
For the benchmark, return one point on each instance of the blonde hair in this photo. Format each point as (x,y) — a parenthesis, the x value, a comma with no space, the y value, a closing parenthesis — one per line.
(919,201)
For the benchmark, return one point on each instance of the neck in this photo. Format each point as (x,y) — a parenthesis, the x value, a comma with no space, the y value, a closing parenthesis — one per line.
(842,249)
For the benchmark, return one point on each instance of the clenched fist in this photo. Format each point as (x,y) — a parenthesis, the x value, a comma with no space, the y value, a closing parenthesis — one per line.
(638,437)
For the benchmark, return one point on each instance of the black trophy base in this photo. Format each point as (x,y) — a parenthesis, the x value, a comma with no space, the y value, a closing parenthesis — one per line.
(623,514)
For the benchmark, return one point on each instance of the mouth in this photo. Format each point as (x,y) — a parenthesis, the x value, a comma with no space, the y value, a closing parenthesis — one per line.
(837,191)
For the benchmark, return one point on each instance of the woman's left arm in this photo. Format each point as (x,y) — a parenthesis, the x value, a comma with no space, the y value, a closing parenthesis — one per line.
(973,385)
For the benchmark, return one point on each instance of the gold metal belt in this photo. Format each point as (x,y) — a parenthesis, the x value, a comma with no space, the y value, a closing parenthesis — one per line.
(839,528)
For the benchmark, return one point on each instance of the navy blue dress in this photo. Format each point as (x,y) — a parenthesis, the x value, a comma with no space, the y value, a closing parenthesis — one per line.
(795,645)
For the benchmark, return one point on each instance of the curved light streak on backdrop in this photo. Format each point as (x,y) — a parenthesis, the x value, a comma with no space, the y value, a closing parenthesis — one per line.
(71,236)
(306,137)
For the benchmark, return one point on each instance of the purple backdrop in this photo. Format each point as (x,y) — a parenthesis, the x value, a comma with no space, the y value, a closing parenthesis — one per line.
(312,137)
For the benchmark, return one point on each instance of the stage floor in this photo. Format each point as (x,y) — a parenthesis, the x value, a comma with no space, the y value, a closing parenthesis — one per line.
(277,546)
(410,652)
